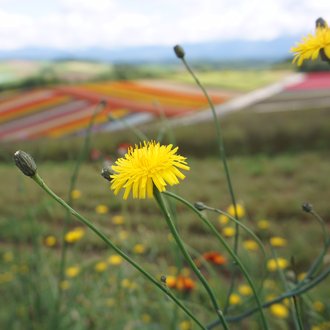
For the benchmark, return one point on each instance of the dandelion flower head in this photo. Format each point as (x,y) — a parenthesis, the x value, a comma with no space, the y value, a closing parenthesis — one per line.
(310,46)
(145,166)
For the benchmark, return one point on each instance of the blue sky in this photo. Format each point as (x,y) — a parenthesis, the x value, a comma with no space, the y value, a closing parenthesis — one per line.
(79,24)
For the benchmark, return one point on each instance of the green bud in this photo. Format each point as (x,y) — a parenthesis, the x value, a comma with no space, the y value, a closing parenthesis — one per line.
(200,206)
(307,207)
(179,51)
(25,163)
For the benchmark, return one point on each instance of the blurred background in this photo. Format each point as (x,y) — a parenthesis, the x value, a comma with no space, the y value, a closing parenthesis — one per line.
(60,58)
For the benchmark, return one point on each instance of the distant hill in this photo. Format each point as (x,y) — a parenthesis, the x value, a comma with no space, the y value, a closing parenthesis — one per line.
(272,50)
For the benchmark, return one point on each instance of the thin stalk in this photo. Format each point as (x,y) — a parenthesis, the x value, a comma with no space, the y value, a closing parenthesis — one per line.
(297,313)
(229,250)
(161,203)
(90,225)
(222,153)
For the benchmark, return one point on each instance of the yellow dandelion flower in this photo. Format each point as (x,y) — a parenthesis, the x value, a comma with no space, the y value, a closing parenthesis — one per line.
(185,325)
(234,299)
(170,281)
(139,248)
(75,194)
(101,266)
(64,285)
(115,259)
(239,209)
(50,241)
(101,209)
(311,46)
(263,224)
(250,245)
(223,219)
(228,231)
(277,241)
(72,271)
(245,290)
(146,318)
(8,256)
(278,263)
(74,235)
(123,235)
(117,219)
(279,310)
(146,166)
(318,306)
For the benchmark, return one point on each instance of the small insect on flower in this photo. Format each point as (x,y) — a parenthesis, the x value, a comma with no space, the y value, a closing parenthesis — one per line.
(147,166)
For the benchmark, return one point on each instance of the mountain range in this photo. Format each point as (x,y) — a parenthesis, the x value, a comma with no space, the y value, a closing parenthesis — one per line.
(272,50)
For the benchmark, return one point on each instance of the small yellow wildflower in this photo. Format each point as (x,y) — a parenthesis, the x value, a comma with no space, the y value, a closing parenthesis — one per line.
(139,249)
(279,310)
(263,224)
(185,325)
(146,318)
(64,285)
(75,194)
(318,306)
(50,241)
(101,209)
(8,256)
(74,235)
(117,219)
(123,235)
(228,231)
(234,299)
(115,259)
(274,264)
(128,284)
(311,46)
(250,245)
(170,281)
(239,209)
(101,266)
(277,241)
(145,167)
(245,290)
(6,277)
(72,271)
(223,219)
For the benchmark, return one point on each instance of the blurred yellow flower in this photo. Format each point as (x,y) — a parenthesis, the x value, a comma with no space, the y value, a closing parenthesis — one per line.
(239,209)
(75,194)
(301,276)
(64,285)
(74,235)
(50,241)
(101,209)
(117,219)
(115,259)
(185,325)
(228,231)
(277,241)
(146,318)
(250,245)
(8,256)
(279,310)
(123,235)
(223,219)
(245,290)
(278,263)
(147,166)
(170,281)
(72,271)
(234,299)
(318,306)
(101,266)
(6,277)
(139,249)
(263,224)
(128,284)
(110,302)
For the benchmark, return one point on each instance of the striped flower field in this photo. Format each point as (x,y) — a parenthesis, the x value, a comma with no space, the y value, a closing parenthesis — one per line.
(66,110)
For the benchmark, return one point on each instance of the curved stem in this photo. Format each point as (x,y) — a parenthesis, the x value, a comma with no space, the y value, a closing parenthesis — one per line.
(159,198)
(229,250)
(85,221)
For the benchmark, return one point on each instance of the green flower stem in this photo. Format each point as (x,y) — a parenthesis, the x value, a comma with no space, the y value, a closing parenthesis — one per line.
(160,200)
(73,181)
(229,250)
(86,222)
(294,292)
(222,153)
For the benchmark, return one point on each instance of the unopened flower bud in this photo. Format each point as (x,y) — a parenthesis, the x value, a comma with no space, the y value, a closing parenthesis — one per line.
(307,207)
(25,163)
(200,206)
(106,172)
(163,279)
(179,51)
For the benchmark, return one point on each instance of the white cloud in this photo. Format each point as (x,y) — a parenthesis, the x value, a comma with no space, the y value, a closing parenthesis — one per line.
(75,24)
